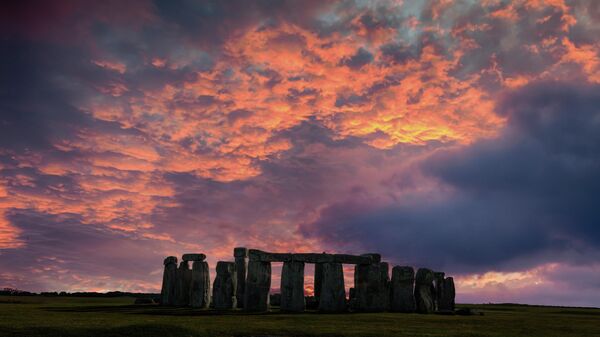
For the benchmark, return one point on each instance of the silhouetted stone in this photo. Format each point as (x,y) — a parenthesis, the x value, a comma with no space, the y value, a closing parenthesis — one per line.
(333,293)
(375,257)
(169,283)
(438,283)
(259,255)
(402,289)
(446,300)
(318,281)
(184,282)
(311,303)
(193,257)
(424,291)
(292,287)
(275,300)
(200,288)
(371,283)
(225,286)
(241,266)
(258,283)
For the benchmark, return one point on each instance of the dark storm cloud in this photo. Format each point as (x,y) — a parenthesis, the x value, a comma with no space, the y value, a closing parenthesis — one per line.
(499,202)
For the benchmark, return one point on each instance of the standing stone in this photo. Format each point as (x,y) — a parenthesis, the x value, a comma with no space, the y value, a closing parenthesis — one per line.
(318,281)
(371,284)
(402,293)
(446,301)
(184,282)
(258,284)
(169,283)
(292,287)
(241,265)
(333,293)
(424,291)
(200,297)
(225,286)
(438,282)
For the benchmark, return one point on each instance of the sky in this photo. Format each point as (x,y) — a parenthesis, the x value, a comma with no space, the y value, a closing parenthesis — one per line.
(463,136)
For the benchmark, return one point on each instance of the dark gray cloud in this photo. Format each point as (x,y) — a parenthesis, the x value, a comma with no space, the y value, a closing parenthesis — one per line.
(361,58)
(500,201)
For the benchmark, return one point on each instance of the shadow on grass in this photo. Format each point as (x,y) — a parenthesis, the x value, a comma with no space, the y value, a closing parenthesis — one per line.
(129,331)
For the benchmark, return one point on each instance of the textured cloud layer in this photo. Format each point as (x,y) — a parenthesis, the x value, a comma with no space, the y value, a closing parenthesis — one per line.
(458,135)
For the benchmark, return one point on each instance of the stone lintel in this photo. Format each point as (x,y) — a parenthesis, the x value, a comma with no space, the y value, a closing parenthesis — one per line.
(258,255)
(193,257)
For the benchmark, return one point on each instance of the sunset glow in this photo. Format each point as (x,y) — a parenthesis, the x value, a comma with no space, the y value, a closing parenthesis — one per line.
(457,135)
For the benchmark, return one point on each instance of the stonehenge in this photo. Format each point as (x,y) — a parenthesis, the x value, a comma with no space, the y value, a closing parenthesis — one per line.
(200,288)
(225,286)
(371,286)
(292,287)
(240,255)
(245,283)
(402,289)
(333,292)
(258,284)
(424,291)
(169,283)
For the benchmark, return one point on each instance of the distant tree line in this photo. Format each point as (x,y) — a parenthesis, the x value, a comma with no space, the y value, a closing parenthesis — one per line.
(18,292)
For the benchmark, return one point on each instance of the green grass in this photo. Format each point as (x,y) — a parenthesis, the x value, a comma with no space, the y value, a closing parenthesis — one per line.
(64,316)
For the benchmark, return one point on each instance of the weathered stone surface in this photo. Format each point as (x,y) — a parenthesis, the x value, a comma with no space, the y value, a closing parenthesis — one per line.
(376,258)
(184,282)
(318,281)
(371,284)
(292,287)
(438,283)
(169,283)
(259,255)
(170,259)
(241,266)
(193,257)
(240,252)
(225,286)
(258,283)
(200,288)
(333,293)
(402,289)
(446,299)
(275,300)
(424,291)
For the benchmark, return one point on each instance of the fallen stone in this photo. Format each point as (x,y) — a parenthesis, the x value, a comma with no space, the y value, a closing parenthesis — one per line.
(225,286)
(424,291)
(371,284)
(169,283)
(402,289)
(333,293)
(258,284)
(292,287)
(200,288)
(193,257)
(468,312)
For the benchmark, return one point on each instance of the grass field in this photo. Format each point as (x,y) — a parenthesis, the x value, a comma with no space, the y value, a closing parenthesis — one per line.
(64,316)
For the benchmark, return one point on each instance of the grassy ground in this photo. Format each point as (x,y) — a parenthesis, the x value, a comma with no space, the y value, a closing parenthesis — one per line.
(63,316)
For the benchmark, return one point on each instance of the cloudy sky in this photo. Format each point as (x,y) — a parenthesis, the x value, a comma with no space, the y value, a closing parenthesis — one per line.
(458,135)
